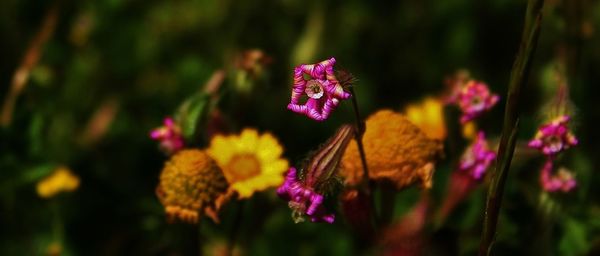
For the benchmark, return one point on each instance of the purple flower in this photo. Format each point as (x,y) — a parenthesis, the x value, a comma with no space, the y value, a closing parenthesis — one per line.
(477,158)
(554,137)
(322,88)
(563,180)
(303,200)
(474,99)
(169,136)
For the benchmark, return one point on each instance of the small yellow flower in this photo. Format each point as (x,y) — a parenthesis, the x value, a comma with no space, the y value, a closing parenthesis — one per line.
(397,151)
(250,162)
(61,179)
(191,183)
(429,116)
(469,130)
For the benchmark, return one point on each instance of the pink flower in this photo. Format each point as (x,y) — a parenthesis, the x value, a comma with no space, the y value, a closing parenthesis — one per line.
(322,88)
(477,158)
(474,99)
(563,180)
(303,200)
(554,137)
(169,136)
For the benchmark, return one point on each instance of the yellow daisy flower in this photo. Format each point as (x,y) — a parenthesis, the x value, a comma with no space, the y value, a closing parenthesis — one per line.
(250,162)
(62,179)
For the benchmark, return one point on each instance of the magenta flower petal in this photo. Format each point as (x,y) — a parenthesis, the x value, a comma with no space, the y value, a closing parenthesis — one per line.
(169,135)
(554,137)
(322,88)
(563,180)
(477,158)
(303,200)
(474,99)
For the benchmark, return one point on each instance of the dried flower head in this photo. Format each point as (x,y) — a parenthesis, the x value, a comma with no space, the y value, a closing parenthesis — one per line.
(169,136)
(554,137)
(252,61)
(250,162)
(306,191)
(61,180)
(322,88)
(474,99)
(249,66)
(191,183)
(477,158)
(429,116)
(563,180)
(397,151)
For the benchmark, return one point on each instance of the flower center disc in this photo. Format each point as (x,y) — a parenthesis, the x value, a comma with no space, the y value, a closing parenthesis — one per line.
(554,142)
(477,103)
(242,167)
(314,89)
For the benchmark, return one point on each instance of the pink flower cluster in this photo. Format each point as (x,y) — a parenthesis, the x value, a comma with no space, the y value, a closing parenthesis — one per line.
(477,158)
(322,88)
(563,180)
(554,137)
(169,136)
(551,139)
(303,200)
(473,99)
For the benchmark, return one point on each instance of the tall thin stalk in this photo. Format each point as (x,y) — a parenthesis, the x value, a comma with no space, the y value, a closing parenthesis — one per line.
(360,131)
(518,78)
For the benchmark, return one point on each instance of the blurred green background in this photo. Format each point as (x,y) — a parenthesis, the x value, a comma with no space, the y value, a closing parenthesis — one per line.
(141,59)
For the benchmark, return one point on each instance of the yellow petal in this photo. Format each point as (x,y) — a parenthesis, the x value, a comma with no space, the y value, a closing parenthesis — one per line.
(268,147)
(220,149)
(247,141)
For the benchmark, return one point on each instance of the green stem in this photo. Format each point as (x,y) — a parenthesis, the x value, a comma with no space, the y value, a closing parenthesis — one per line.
(235,228)
(360,131)
(387,204)
(57,224)
(518,78)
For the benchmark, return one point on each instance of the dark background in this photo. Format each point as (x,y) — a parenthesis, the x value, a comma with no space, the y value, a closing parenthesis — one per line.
(149,56)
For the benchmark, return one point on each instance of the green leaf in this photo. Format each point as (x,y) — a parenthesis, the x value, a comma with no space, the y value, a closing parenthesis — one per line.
(192,114)
(574,240)
(36,173)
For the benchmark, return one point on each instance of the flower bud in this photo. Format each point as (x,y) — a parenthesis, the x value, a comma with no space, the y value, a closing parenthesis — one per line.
(306,192)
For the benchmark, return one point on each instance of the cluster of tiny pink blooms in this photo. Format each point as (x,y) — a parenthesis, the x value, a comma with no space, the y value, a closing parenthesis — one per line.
(477,158)
(563,180)
(303,200)
(473,99)
(169,136)
(323,89)
(554,137)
